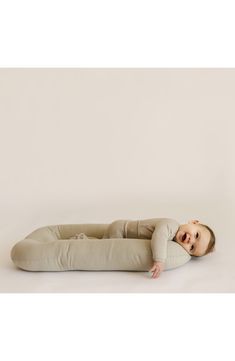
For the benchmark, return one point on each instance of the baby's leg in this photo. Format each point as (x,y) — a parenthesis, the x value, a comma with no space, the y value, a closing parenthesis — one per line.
(116,229)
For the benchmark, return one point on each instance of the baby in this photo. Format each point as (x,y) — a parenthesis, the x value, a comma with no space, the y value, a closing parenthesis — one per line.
(196,238)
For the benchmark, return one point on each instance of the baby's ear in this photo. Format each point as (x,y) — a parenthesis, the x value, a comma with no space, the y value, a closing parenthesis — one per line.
(194,221)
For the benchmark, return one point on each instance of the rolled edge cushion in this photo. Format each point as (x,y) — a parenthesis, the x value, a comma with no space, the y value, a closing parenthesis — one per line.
(54,248)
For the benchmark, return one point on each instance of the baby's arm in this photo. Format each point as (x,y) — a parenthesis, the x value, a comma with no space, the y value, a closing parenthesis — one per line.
(162,234)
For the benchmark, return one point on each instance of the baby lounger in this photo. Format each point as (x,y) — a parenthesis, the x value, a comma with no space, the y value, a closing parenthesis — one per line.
(56,248)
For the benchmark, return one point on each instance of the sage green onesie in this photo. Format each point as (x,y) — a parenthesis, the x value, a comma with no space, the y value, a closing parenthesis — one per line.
(159,230)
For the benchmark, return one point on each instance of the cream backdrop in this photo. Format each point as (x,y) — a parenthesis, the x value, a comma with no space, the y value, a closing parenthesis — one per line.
(94,145)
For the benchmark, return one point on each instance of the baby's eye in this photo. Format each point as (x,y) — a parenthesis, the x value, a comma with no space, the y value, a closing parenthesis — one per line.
(197,235)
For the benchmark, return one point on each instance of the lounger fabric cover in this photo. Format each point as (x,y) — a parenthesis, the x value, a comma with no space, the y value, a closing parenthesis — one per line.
(57,248)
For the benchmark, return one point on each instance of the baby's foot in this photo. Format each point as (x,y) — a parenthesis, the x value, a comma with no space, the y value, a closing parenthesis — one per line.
(79,236)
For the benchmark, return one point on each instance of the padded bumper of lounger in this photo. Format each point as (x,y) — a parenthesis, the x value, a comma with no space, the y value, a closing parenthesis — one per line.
(52,249)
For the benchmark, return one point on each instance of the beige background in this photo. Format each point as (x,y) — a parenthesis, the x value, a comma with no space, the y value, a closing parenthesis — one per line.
(94,145)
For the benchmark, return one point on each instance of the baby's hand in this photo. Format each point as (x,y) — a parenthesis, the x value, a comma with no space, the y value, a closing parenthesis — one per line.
(157,269)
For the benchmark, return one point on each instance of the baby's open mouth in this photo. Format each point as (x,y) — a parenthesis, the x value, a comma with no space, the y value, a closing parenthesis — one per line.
(183,237)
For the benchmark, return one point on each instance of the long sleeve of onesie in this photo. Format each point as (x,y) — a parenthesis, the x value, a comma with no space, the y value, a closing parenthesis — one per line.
(164,232)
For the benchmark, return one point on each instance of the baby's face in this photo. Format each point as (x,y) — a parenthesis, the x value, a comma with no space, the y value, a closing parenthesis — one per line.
(194,238)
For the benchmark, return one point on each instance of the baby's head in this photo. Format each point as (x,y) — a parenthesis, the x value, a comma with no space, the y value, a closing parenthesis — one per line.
(196,238)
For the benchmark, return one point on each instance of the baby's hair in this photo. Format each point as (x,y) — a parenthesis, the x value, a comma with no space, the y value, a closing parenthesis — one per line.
(211,245)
